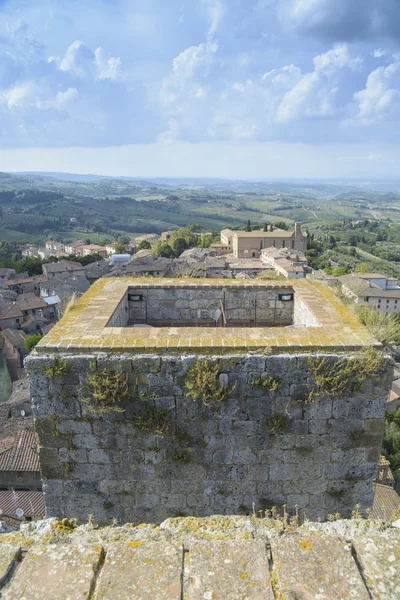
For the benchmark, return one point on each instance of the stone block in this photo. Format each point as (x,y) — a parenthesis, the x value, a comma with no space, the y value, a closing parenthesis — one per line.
(141,570)
(227,569)
(9,557)
(73,426)
(379,557)
(59,572)
(313,566)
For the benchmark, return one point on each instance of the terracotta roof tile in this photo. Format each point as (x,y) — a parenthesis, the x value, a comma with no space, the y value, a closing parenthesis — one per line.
(23,454)
(32,503)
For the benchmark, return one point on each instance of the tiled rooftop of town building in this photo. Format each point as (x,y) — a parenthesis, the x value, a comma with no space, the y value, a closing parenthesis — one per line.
(86,328)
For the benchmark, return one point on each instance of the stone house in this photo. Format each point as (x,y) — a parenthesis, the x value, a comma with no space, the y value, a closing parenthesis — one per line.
(143,264)
(286,262)
(95,270)
(74,247)
(249,244)
(26,285)
(11,317)
(110,249)
(61,267)
(55,247)
(29,304)
(372,290)
(14,350)
(86,250)
(7,274)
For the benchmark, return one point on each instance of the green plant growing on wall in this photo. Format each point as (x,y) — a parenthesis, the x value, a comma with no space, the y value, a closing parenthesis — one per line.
(151,419)
(64,395)
(203,384)
(182,457)
(384,328)
(345,375)
(70,442)
(332,378)
(272,384)
(54,421)
(106,389)
(278,423)
(69,466)
(59,368)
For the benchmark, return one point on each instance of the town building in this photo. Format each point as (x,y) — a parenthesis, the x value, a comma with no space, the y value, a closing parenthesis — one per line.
(7,274)
(249,244)
(19,462)
(14,351)
(26,285)
(285,261)
(372,290)
(73,248)
(111,248)
(63,267)
(11,317)
(55,247)
(88,249)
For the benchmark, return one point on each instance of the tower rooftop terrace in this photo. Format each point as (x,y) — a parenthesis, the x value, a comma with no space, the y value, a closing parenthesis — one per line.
(100,321)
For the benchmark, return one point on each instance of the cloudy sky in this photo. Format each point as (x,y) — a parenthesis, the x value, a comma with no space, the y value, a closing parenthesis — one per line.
(230,88)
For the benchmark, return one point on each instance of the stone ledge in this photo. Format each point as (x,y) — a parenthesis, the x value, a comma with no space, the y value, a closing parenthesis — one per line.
(226,557)
(85,328)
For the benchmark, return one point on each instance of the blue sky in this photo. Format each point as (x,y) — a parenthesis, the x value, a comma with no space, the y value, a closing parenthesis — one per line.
(230,88)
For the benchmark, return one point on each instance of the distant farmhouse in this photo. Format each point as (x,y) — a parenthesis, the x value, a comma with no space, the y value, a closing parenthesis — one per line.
(249,244)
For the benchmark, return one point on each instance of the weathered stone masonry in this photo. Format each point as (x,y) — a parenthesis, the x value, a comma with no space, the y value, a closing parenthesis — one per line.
(213,459)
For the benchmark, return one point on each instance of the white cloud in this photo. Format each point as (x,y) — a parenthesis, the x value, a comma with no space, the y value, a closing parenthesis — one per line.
(339,57)
(376,157)
(59,101)
(107,68)
(380,99)
(198,106)
(82,62)
(29,95)
(378,53)
(17,95)
(313,95)
(189,70)
(215,12)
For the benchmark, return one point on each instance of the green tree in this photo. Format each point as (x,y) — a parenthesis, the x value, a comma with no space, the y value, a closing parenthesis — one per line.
(144,245)
(339,271)
(179,245)
(164,250)
(31,341)
(363,267)
(248,225)
(265,227)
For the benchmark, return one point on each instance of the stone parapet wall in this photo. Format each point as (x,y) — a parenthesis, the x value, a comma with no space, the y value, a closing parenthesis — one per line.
(262,447)
(230,558)
(197,306)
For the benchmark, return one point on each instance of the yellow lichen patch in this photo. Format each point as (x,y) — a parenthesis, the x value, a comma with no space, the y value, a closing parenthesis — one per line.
(305,545)
(64,526)
(134,544)
(244,575)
